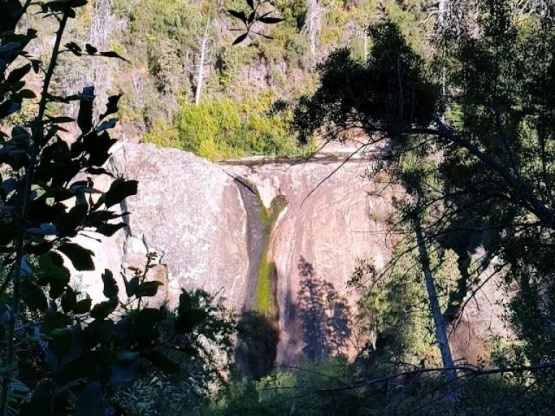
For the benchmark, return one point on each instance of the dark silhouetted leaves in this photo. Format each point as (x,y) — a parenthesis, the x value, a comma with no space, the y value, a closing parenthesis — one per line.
(160,360)
(84,118)
(69,299)
(131,286)
(19,73)
(110,285)
(104,309)
(42,400)
(83,306)
(119,190)
(149,289)
(239,15)
(91,50)
(90,401)
(270,20)
(112,106)
(240,38)
(33,296)
(112,54)
(187,318)
(80,257)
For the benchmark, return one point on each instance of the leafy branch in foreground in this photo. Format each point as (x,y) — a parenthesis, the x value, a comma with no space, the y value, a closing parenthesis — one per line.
(251,17)
(60,352)
(486,127)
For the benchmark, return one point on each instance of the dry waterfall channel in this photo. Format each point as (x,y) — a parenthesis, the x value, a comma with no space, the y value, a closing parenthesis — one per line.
(267,235)
(272,238)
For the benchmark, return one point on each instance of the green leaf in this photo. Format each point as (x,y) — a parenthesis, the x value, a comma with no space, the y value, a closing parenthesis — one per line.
(80,257)
(28,94)
(33,296)
(110,286)
(119,190)
(52,270)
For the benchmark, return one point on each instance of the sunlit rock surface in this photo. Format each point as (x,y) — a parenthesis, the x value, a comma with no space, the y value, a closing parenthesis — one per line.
(207,225)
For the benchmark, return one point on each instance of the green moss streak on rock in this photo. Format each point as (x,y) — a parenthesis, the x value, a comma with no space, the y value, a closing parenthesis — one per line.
(265,287)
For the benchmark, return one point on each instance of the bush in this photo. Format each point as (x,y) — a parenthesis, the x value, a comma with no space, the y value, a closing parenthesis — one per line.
(222,129)
(60,352)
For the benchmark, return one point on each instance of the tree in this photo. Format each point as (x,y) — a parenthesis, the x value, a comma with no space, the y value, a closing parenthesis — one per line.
(59,351)
(491,133)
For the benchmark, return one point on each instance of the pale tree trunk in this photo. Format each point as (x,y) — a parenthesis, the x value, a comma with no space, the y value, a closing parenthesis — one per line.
(312,25)
(439,321)
(203,53)
(441,10)
(103,22)
(441,19)
(365,46)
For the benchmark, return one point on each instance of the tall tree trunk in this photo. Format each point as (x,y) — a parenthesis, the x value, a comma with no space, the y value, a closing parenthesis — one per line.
(312,25)
(439,321)
(200,76)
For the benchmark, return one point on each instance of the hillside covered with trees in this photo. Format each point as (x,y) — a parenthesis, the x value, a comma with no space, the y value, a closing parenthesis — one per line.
(461,93)
(186,85)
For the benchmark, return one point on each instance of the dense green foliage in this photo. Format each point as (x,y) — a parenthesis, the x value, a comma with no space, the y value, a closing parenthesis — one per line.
(471,131)
(162,40)
(61,353)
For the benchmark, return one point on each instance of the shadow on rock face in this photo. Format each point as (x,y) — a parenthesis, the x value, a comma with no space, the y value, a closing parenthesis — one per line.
(323,314)
(256,349)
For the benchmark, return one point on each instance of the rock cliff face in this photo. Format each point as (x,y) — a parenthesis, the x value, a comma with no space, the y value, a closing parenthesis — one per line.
(221,227)
(330,219)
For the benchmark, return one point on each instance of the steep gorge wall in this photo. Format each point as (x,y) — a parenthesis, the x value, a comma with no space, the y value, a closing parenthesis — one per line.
(328,221)
(222,227)
(210,226)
